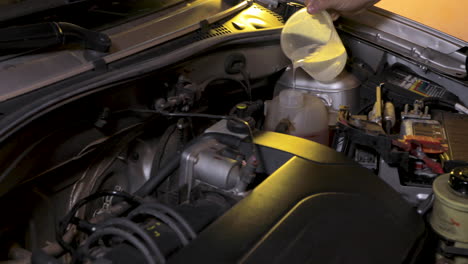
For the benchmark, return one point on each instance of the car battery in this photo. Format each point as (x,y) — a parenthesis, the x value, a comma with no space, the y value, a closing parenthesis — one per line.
(402,86)
(455,127)
(450,128)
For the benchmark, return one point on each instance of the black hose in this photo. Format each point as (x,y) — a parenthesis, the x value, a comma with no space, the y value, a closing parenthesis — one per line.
(142,210)
(174,214)
(120,233)
(131,226)
(158,176)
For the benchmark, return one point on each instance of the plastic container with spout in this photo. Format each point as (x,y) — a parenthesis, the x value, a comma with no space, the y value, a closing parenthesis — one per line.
(312,43)
(299,114)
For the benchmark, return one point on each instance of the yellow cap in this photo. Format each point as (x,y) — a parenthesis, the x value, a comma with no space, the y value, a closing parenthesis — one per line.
(241,106)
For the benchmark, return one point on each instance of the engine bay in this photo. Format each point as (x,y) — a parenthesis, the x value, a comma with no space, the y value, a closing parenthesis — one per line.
(201,161)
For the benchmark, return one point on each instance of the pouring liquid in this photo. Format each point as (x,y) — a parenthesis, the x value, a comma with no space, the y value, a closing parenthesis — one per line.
(294,68)
(322,62)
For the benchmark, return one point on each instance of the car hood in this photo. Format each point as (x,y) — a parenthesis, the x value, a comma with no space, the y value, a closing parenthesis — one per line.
(29,72)
(23,73)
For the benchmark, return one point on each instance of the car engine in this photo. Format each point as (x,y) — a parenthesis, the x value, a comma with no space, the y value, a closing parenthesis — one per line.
(190,163)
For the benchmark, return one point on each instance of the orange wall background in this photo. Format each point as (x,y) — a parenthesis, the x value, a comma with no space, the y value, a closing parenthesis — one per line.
(449,16)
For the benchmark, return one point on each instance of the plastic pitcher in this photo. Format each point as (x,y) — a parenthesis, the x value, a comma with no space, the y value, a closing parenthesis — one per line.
(313,44)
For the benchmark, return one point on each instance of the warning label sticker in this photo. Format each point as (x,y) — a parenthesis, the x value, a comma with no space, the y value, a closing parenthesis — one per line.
(416,84)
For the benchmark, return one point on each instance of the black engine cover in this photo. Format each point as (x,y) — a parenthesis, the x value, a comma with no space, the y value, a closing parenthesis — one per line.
(311,211)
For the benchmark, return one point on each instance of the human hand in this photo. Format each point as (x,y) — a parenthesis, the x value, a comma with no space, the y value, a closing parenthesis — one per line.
(339,6)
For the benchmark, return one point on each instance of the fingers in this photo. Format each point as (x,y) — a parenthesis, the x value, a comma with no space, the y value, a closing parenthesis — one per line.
(315,6)
(333,14)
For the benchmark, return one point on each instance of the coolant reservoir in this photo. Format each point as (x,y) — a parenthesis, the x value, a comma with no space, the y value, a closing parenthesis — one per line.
(299,114)
(312,43)
(449,216)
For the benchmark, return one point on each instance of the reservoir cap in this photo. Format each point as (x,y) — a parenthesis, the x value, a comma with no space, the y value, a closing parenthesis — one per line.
(458,180)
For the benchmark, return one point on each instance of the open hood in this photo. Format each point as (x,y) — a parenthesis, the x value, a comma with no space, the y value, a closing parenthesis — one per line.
(177,140)
(23,73)
(430,48)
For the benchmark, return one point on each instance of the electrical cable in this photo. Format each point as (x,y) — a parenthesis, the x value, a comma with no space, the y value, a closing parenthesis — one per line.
(141,210)
(63,224)
(131,226)
(247,81)
(164,113)
(174,214)
(251,136)
(120,233)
